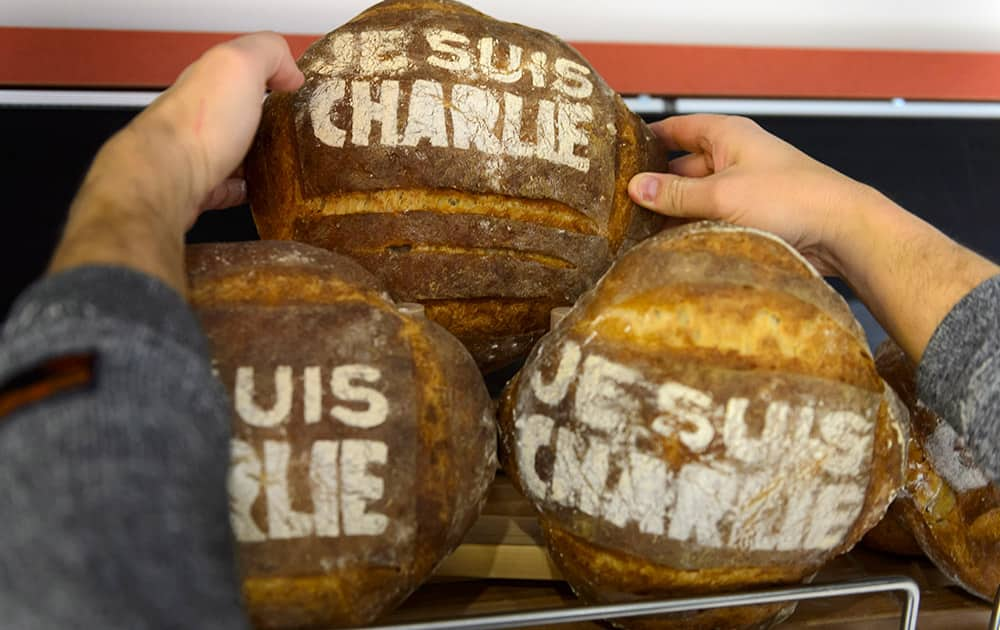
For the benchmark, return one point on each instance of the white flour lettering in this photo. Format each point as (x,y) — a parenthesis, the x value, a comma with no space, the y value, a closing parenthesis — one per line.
(313,398)
(581,471)
(553,392)
(382,52)
(361,487)
(533,432)
(474,115)
(365,110)
(498,121)
(341,482)
(686,412)
(487,62)
(282,520)
(573,81)
(426,117)
(324,98)
(246,405)
(798,483)
(324,482)
(343,388)
(450,50)
(244,487)
(340,477)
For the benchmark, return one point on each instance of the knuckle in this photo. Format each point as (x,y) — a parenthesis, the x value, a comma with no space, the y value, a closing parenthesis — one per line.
(741,123)
(227,58)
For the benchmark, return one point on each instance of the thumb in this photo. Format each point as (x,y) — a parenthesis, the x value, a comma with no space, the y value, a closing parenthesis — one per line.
(674,195)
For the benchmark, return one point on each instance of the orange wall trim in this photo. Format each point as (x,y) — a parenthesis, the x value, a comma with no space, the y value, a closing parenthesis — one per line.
(44,57)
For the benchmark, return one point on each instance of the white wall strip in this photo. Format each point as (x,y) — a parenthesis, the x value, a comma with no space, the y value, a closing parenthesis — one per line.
(643,104)
(76,98)
(856,24)
(895,108)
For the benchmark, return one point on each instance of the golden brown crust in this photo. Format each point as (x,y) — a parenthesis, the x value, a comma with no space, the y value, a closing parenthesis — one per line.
(525,200)
(948,504)
(699,422)
(610,576)
(274,306)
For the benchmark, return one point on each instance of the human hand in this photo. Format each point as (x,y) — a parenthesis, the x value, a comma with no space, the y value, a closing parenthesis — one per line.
(739,173)
(907,273)
(151,180)
(209,117)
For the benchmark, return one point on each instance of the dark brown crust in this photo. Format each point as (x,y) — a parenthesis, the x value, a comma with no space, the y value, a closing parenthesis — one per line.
(808,346)
(440,436)
(959,530)
(605,576)
(534,229)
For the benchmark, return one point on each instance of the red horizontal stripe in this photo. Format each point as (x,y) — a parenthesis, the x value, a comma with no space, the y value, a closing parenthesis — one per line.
(41,57)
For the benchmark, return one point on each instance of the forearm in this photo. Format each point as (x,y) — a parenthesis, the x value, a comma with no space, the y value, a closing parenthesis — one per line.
(128,209)
(907,273)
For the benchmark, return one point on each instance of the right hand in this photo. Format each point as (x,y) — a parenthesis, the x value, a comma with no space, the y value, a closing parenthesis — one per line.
(739,173)
(204,123)
(150,181)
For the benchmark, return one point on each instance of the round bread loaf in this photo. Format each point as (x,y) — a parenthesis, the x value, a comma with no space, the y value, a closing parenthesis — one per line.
(475,166)
(363,437)
(707,419)
(948,503)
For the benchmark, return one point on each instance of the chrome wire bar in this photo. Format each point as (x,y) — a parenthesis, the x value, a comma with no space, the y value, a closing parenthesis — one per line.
(911,605)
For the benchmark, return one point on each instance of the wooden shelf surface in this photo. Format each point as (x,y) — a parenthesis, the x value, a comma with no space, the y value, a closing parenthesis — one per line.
(502,567)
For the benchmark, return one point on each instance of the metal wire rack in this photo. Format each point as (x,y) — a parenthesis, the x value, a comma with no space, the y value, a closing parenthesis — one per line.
(526,619)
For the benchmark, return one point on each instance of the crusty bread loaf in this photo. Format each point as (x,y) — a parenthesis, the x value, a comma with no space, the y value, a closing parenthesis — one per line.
(363,437)
(707,419)
(948,503)
(476,166)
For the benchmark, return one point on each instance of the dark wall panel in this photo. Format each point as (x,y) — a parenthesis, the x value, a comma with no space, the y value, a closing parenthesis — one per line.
(943,170)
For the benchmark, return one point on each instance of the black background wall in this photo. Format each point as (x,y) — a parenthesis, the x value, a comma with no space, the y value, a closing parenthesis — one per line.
(947,171)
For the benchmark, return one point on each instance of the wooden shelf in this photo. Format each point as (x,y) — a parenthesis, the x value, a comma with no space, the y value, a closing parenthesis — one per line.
(502,567)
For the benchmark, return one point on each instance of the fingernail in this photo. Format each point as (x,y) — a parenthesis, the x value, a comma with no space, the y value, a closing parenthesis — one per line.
(649,186)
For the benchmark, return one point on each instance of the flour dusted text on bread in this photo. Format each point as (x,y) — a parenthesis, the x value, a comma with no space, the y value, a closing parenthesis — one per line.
(606,466)
(340,480)
(485,116)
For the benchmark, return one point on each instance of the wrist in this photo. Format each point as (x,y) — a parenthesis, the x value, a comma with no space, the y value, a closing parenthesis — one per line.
(112,221)
(150,166)
(857,230)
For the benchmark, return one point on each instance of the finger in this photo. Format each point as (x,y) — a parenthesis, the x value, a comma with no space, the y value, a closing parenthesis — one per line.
(673,195)
(272,57)
(229,193)
(691,132)
(692,165)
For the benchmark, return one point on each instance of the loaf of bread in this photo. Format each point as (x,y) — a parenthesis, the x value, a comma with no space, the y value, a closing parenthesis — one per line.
(363,436)
(707,419)
(948,503)
(475,166)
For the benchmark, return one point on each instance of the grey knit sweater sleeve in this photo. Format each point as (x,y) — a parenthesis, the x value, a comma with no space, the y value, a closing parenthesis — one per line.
(113,510)
(959,375)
